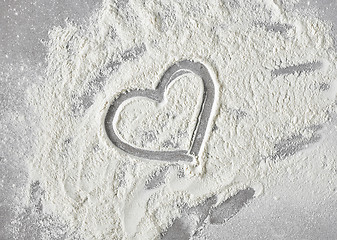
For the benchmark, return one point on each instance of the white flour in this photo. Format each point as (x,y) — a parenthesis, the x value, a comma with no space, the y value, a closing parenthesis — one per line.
(167,126)
(99,190)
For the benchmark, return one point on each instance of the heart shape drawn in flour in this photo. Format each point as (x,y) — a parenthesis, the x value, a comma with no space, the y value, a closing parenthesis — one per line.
(157,94)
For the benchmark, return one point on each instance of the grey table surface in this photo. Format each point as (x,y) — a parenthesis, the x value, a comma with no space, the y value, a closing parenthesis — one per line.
(23,28)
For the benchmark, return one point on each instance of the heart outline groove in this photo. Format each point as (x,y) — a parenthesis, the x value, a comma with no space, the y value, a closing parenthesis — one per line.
(203,120)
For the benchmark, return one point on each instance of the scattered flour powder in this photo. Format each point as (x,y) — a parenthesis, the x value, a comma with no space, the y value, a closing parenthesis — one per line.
(276,73)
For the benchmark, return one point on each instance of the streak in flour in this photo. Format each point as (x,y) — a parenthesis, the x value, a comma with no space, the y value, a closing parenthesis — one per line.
(204,118)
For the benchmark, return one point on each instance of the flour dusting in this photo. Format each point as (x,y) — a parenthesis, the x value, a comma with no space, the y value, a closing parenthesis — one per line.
(276,75)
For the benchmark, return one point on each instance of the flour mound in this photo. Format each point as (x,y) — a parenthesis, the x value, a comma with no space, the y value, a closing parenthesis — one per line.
(276,71)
